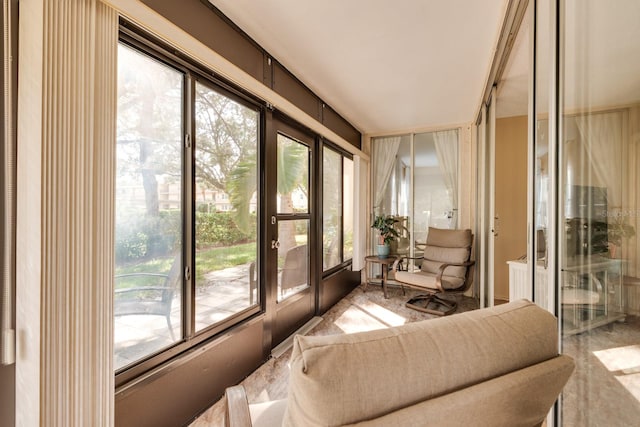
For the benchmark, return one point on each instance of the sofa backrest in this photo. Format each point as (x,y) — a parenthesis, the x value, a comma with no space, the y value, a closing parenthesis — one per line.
(342,379)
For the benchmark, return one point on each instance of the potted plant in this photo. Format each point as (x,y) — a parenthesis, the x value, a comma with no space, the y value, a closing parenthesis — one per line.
(386,233)
(618,229)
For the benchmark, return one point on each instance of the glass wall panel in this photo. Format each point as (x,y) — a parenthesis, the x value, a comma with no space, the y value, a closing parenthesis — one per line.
(331,208)
(149,235)
(226,232)
(600,211)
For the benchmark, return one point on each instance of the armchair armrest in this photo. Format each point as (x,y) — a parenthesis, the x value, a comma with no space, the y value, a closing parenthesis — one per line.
(236,412)
(450,264)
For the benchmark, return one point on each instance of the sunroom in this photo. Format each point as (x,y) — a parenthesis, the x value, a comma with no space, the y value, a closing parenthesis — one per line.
(222,163)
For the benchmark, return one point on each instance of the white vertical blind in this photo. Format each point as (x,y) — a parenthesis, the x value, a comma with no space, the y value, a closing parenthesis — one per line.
(7,236)
(67,122)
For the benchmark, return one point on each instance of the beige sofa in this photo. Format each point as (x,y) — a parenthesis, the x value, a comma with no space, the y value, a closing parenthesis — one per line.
(492,367)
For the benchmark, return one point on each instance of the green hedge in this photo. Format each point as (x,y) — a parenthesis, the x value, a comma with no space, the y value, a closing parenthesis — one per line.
(145,237)
(220,229)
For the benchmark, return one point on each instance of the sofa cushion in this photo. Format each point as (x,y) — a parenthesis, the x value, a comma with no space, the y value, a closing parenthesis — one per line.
(344,379)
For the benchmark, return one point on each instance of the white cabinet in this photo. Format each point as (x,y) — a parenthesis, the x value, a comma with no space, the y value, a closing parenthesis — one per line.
(520,287)
(590,292)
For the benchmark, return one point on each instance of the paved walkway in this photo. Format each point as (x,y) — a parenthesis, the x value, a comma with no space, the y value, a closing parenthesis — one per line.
(224,293)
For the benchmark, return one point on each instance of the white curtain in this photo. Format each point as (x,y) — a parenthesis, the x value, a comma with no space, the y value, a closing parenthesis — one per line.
(384,157)
(446,143)
(602,140)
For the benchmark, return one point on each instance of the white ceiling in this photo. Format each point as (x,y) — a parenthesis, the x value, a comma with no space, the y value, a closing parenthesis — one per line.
(386,66)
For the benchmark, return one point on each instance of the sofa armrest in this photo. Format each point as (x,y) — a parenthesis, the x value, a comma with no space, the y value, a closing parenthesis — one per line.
(236,412)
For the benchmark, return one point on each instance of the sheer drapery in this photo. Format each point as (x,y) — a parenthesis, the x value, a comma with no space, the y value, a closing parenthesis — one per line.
(601,136)
(446,143)
(384,157)
(631,247)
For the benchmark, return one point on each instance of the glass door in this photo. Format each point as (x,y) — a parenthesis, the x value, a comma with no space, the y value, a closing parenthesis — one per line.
(599,210)
(291,288)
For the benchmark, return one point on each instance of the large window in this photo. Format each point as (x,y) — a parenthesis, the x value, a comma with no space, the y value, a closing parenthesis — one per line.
(226,202)
(337,208)
(186,205)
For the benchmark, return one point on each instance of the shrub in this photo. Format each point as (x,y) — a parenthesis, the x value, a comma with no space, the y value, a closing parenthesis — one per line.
(220,229)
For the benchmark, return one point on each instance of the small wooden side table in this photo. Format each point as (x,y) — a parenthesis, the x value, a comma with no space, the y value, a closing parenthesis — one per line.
(384,263)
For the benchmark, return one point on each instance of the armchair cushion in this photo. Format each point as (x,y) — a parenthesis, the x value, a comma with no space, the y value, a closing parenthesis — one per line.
(449,238)
(435,256)
(428,280)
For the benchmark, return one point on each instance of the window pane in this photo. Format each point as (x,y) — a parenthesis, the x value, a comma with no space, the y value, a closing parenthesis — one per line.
(293,176)
(347,227)
(226,204)
(331,208)
(148,247)
(293,259)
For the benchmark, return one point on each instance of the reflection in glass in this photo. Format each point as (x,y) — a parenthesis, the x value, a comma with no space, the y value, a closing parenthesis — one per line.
(148,241)
(293,258)
(226,204)
(599,211)
(544,291)
(331,208)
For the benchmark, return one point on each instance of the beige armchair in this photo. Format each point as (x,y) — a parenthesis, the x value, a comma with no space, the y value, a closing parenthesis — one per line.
(446,268)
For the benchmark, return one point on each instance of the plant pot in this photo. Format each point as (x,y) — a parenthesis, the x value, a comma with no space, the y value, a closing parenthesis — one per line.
(383,251)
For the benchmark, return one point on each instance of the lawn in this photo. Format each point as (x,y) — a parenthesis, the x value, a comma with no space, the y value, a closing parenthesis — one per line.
(207,260)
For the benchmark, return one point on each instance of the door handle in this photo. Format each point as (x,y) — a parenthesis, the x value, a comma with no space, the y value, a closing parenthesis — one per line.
(496,226)
(275,244)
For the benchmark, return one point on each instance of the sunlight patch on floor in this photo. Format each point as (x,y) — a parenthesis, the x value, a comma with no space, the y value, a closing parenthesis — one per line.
(620,358)
(386,316)
(366,317)
(624,363)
